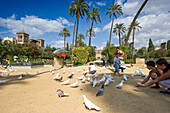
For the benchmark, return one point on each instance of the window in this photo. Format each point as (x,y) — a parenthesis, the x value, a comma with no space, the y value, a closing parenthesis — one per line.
(19,37)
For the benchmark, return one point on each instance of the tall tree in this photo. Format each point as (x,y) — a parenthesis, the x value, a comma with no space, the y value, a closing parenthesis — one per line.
(65,32)
(119,29)
(136,16)
(151,46)
(168,44)
(135,26)
(94,15)
(115,9)
(78,7)
(80,37)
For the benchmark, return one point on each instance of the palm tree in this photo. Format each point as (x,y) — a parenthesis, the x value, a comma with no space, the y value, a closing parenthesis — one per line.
(136,16)
(65,32)
(119,29)
(135,26)
(94,15)
(115,8)
(92,32)
(78,7)
(80,37)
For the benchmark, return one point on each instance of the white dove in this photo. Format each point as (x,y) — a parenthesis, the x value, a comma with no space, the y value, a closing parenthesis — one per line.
(79,70)
(108,76)
(102,79)
(132,76)
(64,71)
(52,72)
(56,77)
(2,82)
(20,77)
(60,93)
(27,73)
(120,85)
(95,75)
(94,82)
(89,104)
(84,68)
(11,70)
(65,82)
(81,77)
(15,70)
(125,77)
(83,80)
(108,81)
(75,84)
(5,71)
(7,75)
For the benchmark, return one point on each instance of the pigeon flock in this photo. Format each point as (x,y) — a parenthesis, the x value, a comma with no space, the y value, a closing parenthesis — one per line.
(93,79)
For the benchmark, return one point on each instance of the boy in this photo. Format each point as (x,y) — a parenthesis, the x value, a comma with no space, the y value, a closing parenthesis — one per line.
(8,63)
(116,62)
(164,79)
(92,68)
(154,73)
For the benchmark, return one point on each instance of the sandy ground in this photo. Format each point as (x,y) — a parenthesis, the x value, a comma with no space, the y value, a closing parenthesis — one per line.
(37,94)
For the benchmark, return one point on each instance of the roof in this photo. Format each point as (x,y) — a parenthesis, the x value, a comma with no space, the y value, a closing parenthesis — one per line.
(22,33)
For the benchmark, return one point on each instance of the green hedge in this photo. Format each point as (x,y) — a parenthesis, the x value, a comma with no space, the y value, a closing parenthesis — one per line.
(111,50)
(81,55)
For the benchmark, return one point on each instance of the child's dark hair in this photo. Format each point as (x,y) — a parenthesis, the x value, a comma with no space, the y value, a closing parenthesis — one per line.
(117,48)
(161,61)
(150,63)
(91,63)
(116,53)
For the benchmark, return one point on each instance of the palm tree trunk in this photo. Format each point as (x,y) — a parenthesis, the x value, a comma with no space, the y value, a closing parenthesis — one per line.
(80,42)
(111,31)
(73,39)
(119,39)
(90,37)
(77,28)
(64,41)
(137,14)
(133,43)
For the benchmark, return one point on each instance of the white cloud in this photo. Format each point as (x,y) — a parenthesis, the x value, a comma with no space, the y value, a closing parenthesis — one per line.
(34,25)
(100,3)
(101,46)
(90,3)
(97,29)
(58,44)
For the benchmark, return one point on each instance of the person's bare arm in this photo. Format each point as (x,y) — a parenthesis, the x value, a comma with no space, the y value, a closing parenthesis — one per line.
(159,71)
(163,77)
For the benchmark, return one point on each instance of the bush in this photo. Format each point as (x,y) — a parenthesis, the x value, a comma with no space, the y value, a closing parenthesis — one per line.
(81,55)
(168,53)
(92,59)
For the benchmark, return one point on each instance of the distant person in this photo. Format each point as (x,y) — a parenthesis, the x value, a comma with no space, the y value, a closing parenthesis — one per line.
(164,79)
(116,63)
(120,52)
(122,64)
(92,68)
(104,59)
(154,73)
(8,63)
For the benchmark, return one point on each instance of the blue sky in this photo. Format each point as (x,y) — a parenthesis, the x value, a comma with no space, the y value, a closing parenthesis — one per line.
(45,19)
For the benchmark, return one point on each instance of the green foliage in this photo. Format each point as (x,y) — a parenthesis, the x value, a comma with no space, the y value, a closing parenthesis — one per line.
(151,46)
(158,53)
(168,53)
(168,44)
(81,55)
(92,59)
(141,53)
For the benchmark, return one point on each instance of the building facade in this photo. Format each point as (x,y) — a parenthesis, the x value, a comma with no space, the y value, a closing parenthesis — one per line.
(98,54)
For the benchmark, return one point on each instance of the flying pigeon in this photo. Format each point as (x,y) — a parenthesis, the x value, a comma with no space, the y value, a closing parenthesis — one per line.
(2,82)
(20,77)
(74,84)
(108,81)
(83,80)
(89,104)
(101,90)
(81,77)
(103,79)
(59,79)
(120,85)
(56,77)
(71,75)
(65,82)
(60,93)
(125,77)
(7,75)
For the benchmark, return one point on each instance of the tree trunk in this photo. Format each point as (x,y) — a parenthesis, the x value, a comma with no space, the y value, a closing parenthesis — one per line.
(137,14)
(64,41)
(77,28)
(119,39)
(73,39)
(111,31)
(133,44)
(90,37)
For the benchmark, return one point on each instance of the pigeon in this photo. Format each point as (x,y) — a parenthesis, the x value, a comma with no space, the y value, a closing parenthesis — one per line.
(108,76)
(125,77)
(132,76)
(55,69)
(75,84)
(56,77)
(83,80)
(84,68)
(101,90)
(141,73)
(89,104)
(60,93)
(5,71)
(108,81)
(79,70)
(27,73)
(85,74)
(71,75)
(52,72)
(65,82)
(15,70)
(88,78)
(95,75)
(120,85)
(81,77)
(38,73)
(2,82)
(11,70)
(94,82)
(20,77)
(64,71)
(23,75)
(7,75)
(60,79)
(100,69)
(103,79)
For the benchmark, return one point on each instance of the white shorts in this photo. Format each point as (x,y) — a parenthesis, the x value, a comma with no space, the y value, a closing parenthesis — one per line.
(165,83)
